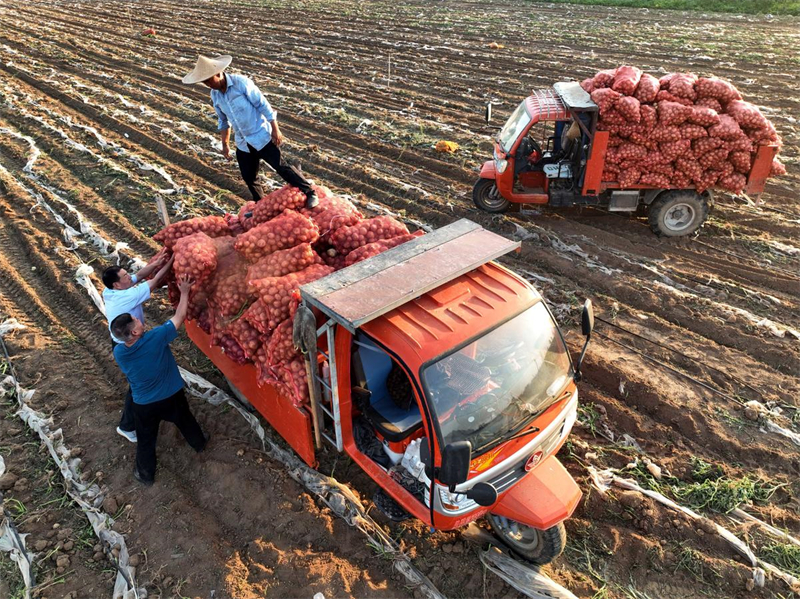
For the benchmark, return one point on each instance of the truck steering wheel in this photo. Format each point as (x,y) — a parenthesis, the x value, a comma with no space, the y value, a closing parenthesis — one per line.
(527,147)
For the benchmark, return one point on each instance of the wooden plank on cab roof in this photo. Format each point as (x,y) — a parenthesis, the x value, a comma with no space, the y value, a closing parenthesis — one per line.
(366,290)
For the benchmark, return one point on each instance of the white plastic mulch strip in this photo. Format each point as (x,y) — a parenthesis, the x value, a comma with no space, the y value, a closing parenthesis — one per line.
(526,580)
(603,479)
(88,497)
(13,543)
(742,515)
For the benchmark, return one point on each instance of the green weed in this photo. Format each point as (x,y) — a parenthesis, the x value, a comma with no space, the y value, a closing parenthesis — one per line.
(589,417)
(784,555)
(775,7)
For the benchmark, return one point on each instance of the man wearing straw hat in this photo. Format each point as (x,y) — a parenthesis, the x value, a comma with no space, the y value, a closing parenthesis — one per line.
(238,102)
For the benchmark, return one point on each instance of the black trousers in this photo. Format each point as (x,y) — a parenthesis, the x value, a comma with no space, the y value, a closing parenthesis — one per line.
(148,417)
(126,421)
(249,162)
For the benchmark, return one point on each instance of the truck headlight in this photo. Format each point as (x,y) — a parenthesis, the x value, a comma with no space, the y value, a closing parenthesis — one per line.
(500,166)
(453,501)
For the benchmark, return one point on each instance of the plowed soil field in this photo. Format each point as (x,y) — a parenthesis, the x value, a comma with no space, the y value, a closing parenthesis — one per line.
(95,124)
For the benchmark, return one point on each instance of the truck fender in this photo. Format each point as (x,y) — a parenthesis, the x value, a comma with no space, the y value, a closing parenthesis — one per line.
(487,170)
(543,498)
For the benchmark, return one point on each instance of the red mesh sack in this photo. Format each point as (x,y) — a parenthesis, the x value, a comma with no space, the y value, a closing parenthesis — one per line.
(588,85)
(615,140)
(272,204)
(682,85)
(213,226)
(690,167)
(648,88)
(765,136)
(738,144)
(705,145)
(275,295)
(703,116)
(204,321)
(705,181)
(676,149)
(293,376)
(723,169)
(196,257)
(655,179)
(629,177)
(649,116)
(605,99)
(747,115)
(712,158)
(234,224)
(672,113)
(663,168)
(689,131)
(247,222)
(246,335)
(626,79)
(608,175)
(373,249)
(665,96)
(257,316)
(231,295)
(662,133)
(332,211)
(228,261)
(265,374)
(735,182)
(284,231)
(680,180)
(629,108)
(712,87)
(741,161)
(604,78)
(665,79)
(727,128)
(346,239)
(653,157)
(631,151)
(283,262)
(711,103)
(778,168)
(280,347)
(232,349)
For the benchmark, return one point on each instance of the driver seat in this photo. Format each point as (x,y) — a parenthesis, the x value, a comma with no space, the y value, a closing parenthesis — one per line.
(371,367)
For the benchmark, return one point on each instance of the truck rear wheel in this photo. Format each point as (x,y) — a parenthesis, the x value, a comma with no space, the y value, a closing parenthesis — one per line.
(677,213)
(539,547)
(487,197)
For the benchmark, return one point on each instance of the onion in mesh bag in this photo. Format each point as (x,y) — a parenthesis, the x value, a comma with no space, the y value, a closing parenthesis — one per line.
(727,128)
(373,249)
(213,226)
(647,89)
(778,168)
(280,347)
(629,108)
(293,375)
(284,231)
(682,85)
(195,257)
(712,87)
(346,239)
(275,295)
(626,79)
(272,204)
(605,99)
(246,335)
(283,262)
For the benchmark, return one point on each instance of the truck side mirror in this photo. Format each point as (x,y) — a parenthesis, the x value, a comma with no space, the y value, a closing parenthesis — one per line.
(587,318)
(587,326)
(455,463)
(484,494)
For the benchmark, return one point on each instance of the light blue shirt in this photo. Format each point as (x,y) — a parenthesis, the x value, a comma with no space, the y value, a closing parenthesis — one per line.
(244,108)
(126,301)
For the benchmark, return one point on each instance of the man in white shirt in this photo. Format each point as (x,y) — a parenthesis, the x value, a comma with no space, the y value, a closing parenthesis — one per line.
(125,294)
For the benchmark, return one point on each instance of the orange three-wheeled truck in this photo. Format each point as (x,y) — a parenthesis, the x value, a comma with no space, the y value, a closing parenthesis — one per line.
(444,376)
(535,161)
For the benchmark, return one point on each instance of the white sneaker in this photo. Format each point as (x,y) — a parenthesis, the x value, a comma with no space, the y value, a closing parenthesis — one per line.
(129,435)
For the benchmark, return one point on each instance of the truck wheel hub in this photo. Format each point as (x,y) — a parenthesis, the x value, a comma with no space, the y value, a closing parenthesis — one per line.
(679,217)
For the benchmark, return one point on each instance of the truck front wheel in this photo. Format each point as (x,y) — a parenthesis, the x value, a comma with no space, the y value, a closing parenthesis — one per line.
(677,213)
(539,547)
(487,197)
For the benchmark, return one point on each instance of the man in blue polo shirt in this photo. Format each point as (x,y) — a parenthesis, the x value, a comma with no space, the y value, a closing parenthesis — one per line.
(125,294)
(156,384)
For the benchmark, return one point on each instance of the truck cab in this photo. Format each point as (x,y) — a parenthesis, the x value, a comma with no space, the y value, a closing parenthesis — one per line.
(450,384)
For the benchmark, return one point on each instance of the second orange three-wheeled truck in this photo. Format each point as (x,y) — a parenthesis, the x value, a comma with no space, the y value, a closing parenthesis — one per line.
(445,377)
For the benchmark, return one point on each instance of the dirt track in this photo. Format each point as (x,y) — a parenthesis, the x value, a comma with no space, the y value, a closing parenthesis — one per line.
(99,101)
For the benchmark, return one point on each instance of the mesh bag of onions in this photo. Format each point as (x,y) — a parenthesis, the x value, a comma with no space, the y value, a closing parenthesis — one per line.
(284,231)
(346,239)
(672,114)
(213,226)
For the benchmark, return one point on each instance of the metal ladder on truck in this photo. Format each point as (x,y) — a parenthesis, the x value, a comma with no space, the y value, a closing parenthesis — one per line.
(367,290)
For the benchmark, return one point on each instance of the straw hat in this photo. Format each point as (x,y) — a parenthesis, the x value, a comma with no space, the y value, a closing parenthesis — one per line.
(207,67)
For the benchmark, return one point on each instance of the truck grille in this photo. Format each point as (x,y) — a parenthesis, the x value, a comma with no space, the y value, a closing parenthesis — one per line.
(517,471)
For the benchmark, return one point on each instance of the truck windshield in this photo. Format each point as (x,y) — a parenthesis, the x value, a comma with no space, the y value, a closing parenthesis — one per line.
(514,126)
(494,386)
